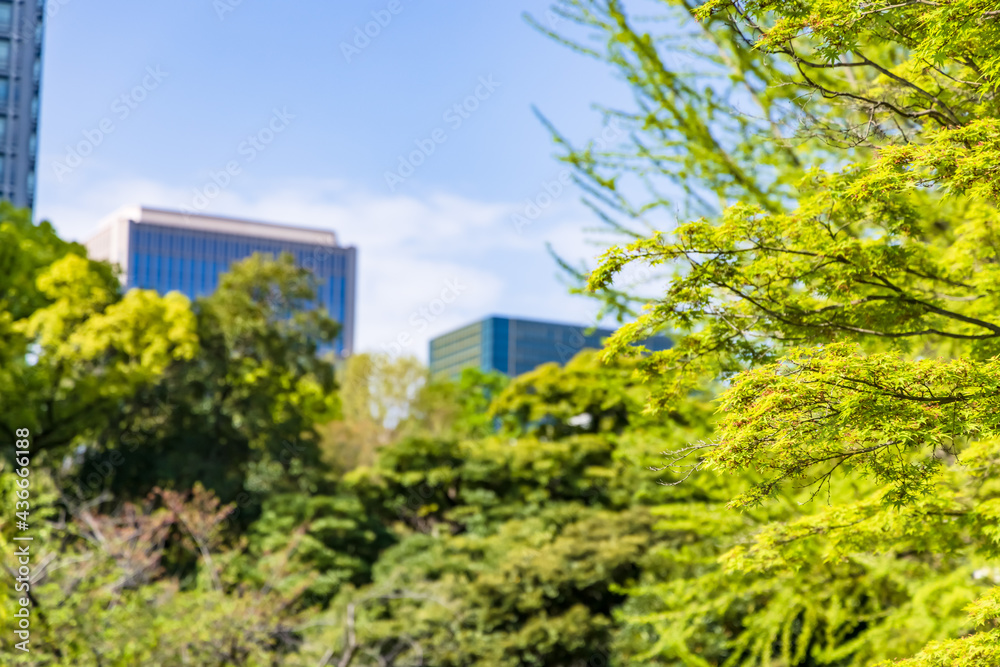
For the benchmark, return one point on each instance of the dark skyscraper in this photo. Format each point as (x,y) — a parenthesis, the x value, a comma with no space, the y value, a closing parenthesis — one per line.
(21,29)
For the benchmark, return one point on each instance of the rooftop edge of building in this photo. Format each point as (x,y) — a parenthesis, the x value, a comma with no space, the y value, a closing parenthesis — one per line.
(531,320)
(150,215)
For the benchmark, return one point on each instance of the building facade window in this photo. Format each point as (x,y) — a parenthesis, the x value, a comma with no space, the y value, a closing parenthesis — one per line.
(193,261)
(514,347)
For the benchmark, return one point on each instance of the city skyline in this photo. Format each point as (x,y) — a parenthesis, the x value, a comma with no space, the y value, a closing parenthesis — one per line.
(478,211)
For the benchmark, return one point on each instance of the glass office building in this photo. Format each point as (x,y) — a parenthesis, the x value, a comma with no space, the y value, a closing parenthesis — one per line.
(21,29)
(169,251)
(515,346)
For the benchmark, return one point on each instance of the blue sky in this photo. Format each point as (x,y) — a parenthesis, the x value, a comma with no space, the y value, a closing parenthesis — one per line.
(169,93)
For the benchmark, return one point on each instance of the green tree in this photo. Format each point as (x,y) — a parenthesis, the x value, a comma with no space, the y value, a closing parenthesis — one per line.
(329,541)
(102,592)
(72,345)
(534,591)
(378,394)
(386,399)
(240,415)
(509,544)
(458,408)
(841,282)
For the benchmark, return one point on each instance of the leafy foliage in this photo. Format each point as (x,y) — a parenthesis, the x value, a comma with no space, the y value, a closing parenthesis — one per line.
(240,415)
(811,188)
(843,294)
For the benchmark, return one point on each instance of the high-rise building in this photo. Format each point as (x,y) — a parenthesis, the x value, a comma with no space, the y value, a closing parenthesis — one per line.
(166,251)
(515,346)
(21,27)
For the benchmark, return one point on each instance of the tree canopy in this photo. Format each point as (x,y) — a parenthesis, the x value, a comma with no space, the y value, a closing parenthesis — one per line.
(831,261)
(806,478)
